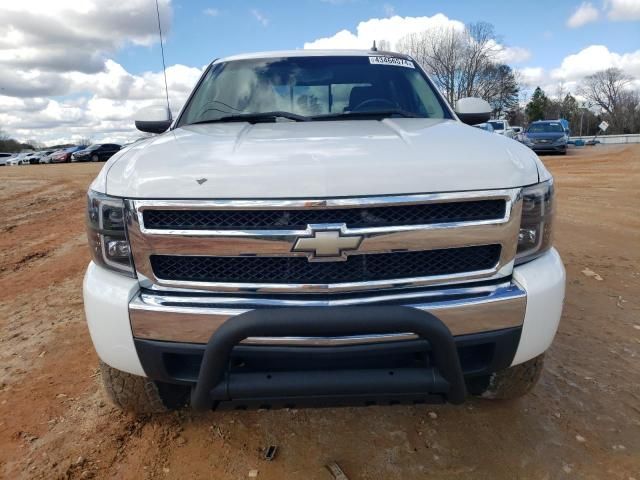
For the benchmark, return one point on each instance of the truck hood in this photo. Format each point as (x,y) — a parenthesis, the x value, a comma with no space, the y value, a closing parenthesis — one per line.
(317,159)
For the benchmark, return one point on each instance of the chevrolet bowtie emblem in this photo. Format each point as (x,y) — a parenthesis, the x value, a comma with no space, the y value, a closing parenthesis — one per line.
(327,245)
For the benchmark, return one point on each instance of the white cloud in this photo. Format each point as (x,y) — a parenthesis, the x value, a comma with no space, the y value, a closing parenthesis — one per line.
(595,58)
(390,29)
(623,10)
(575,67)
(211,12)
(67,35)
(260,17)
(586,13)
(395,28)
(512,54)
(531,76)
(103,109)
(54,54)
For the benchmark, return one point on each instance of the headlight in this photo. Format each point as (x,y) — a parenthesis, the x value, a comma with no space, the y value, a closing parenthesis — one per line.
(561,140)
(536,225)
(527,141)
(107,233)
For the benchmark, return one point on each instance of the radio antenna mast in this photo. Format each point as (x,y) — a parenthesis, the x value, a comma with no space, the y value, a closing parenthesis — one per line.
(164,67)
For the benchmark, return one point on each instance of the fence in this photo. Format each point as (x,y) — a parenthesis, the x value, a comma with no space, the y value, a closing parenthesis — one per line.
(612,139)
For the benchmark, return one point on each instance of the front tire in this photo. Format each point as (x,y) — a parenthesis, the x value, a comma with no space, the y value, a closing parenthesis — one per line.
(94,158)
(140,395)
(513,382)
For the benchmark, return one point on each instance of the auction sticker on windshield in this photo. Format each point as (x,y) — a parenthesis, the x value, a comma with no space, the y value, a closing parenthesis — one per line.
(395,61)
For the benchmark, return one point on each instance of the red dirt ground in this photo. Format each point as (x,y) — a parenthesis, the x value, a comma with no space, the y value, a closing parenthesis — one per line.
(581,421)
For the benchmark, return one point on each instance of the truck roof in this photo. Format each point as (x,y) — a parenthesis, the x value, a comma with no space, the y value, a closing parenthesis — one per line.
(310,53)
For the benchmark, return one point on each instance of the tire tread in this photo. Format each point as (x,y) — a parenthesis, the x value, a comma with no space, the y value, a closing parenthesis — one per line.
(131,392)
(515,381)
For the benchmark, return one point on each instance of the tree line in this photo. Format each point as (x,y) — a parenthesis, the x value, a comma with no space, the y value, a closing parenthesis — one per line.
(11,145)
(468,63)
(606,92)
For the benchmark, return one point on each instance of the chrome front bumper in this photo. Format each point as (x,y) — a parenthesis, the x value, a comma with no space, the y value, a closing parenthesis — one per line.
(194,318)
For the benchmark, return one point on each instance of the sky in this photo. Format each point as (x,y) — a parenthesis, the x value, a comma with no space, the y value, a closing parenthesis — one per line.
(77,69)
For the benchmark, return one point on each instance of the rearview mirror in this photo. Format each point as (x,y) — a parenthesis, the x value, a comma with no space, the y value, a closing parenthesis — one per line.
(154,119)
(472,110)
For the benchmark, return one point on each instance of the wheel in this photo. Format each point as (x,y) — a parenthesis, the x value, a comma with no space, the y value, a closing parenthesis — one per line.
(94,158)
(140,394)
(512,382)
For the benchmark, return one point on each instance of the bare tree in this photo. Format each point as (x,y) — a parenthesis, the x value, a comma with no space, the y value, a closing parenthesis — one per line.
(36,144)
(439,52)
(629,112)
(383,45)
(479,54)
(85,141)
(464,63)
(607,89)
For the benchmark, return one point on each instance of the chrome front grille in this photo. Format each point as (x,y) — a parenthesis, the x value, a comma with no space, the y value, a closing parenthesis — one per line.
(378,216)
(250,246)
(357,268)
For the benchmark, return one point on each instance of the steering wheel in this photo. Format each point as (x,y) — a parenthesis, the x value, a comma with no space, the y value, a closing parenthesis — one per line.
(373,101)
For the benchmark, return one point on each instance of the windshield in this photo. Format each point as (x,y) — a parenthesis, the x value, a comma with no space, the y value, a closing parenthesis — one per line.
(313,87)
(497,125)
(545,128)
(94,146)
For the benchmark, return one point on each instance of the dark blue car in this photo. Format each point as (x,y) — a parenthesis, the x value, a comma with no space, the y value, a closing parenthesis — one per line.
(547,136)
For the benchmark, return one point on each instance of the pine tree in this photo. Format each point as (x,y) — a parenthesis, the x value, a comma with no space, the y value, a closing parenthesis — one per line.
(536,108)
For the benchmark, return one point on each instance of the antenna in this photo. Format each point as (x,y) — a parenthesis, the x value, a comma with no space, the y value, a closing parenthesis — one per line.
(164,67)
(373,49)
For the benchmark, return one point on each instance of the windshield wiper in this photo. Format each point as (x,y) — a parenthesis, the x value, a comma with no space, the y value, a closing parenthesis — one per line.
(369,114)
(256,117)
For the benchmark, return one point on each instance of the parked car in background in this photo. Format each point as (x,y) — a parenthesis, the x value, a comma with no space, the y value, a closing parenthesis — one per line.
(4,158)
(47,158)
(19,159)
(484,126)
(36,157)
(518,133)
(27,157)
(99,152)
(502,127)
(62,156)
(565,125)
(546,136)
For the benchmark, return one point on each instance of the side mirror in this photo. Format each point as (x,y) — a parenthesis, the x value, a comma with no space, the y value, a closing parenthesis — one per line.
(472,110)
(154,119)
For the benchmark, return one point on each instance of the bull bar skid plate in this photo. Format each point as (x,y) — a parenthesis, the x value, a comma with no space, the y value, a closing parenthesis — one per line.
(216,385)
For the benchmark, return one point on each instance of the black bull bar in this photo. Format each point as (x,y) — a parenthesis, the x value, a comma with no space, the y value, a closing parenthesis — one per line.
(442,375)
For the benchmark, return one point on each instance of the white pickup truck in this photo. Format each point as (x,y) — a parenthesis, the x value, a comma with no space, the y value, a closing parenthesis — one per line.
(320,227)
(502,127)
